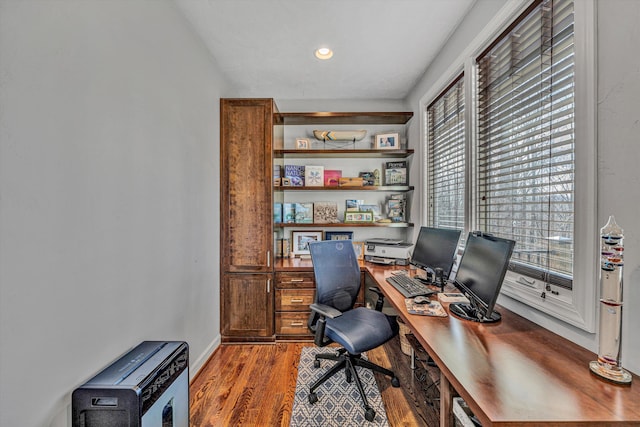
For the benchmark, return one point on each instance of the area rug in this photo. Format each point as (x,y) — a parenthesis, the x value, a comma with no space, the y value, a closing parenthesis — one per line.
(339,403)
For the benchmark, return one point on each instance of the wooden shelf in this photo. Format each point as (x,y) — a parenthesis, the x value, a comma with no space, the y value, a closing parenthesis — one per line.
(343,153)
(399,188)
(343,224)
(344,118)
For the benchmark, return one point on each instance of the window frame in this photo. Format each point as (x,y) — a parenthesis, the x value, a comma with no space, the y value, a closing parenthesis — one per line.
(576,307)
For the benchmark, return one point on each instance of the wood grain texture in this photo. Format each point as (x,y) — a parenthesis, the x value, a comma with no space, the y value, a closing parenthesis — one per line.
(515,372)
(254,385)
(246,178)
(246,222)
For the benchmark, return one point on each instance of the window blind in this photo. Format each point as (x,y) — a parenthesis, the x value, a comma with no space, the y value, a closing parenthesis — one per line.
(446,160)
(525,181)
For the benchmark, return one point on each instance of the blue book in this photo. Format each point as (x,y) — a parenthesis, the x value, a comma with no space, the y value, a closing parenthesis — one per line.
(304,213)
(289,212)
(277,213)
(295,174)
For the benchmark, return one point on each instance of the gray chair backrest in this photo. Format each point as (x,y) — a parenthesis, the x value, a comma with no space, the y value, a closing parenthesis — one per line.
(337,273)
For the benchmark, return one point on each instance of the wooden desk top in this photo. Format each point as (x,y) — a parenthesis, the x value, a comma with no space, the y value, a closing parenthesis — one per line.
(515,372)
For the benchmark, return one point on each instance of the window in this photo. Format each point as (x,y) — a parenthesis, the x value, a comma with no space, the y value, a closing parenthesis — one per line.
(445,157)
(526,141)
(509,149)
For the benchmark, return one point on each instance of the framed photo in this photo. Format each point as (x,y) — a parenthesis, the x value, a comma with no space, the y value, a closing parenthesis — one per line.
(302,144)
(359,248)
(338,235)
(300,241)
(358,216)
(388,141)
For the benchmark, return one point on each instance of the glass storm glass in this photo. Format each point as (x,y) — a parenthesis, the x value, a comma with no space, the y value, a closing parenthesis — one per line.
(610,328)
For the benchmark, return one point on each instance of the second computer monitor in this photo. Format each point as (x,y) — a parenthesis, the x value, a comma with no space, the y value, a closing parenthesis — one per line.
(435,248)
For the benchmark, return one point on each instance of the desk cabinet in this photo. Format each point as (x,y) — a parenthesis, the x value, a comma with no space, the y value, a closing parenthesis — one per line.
(294,293)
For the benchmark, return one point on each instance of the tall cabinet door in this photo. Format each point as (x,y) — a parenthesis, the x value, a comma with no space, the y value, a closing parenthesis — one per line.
(246,222)
(246,185)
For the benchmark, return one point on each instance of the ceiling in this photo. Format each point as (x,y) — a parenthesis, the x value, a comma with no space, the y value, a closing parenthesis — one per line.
(382,47)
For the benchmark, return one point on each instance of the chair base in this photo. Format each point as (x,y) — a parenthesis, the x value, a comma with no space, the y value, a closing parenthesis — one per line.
(348,362)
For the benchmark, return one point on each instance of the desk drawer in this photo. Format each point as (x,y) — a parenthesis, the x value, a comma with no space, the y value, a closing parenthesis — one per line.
(292,323)
(290,279)
(294,299)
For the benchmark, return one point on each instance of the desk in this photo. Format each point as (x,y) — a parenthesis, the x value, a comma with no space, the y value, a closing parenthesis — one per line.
(515,372)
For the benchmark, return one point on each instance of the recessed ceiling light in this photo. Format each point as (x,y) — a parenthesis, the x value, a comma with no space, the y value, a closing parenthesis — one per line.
(323,53)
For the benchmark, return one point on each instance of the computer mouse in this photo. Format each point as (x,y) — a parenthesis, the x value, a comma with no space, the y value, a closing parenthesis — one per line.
(421,300)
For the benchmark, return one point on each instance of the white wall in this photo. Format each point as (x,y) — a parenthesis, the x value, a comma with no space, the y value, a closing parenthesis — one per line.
(618,152)
(109,194)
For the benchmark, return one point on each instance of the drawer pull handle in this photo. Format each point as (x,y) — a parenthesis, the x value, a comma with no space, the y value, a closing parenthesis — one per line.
(297,323)
(297,280)
(296,300)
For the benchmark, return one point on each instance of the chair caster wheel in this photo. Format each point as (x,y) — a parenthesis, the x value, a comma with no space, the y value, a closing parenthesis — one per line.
(313,398)
(316,363)
(369,414)
(395,382)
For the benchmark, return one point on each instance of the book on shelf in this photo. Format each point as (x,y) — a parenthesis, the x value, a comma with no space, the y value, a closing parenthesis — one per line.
(395,173)
(288,212)
(303,213)
(277,213)
(282,247)
(277,175)
(325,212)
(332,177)
(313,176)
(295,175)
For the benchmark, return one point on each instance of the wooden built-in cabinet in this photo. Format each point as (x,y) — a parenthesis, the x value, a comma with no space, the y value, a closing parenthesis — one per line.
(262,300)
(246,222)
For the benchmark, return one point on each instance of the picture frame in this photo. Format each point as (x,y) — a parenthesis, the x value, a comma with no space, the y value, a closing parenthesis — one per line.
(300,241)
(302,144)
(358,216)
(338,235)
(359,248)
(387,141)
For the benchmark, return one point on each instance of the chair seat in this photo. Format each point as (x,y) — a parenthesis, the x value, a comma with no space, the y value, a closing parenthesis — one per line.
(361,329)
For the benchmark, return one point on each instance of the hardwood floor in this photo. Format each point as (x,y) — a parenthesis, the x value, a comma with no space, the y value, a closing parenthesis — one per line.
(253,385)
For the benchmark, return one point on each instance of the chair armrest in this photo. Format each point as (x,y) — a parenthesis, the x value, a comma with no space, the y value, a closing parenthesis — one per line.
(325,310)
(380,300)
(318,329)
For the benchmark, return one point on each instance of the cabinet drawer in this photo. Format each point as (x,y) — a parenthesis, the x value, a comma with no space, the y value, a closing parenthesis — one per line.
(292,323)
(288,279)
(294,299)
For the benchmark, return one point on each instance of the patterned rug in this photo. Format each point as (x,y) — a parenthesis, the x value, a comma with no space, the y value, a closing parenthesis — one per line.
(339,403)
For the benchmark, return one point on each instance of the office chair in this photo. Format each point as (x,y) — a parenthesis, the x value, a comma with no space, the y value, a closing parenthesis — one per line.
(334,319)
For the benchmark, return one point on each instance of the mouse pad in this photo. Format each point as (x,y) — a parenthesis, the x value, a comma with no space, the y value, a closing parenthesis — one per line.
(434,308)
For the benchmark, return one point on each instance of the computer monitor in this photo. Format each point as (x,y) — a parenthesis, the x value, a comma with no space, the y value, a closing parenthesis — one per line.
(480,274)
(435,248)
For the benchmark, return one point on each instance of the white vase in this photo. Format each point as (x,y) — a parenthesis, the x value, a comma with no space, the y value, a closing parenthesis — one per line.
(610,327)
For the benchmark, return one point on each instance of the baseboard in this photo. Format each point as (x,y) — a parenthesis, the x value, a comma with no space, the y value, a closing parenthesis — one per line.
(196,366)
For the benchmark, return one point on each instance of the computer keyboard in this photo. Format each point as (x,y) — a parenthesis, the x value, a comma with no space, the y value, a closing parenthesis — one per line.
(409,287)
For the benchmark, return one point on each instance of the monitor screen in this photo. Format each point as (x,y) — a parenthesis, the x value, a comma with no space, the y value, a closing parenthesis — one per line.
(435,248)
(480,274)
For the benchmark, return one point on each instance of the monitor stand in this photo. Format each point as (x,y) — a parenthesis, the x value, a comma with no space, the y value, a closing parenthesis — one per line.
(469,312)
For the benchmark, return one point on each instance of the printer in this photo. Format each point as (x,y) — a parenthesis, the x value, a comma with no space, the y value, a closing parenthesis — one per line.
(388,251)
